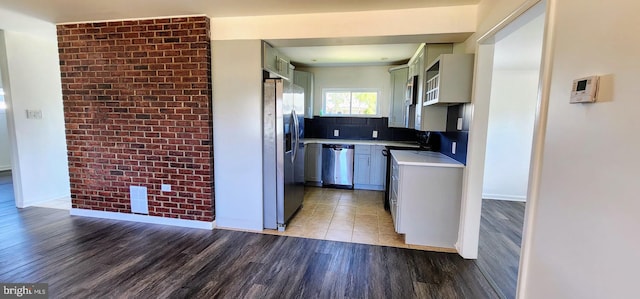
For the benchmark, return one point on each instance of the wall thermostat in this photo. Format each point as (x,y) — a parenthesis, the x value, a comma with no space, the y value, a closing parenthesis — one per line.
(584,90)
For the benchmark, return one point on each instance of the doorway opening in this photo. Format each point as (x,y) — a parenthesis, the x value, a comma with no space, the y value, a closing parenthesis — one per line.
(512,109)
(504,142)
(7,198)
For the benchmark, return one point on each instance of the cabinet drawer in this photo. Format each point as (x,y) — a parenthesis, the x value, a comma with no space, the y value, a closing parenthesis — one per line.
(394,213)
(394,169)
(362,149)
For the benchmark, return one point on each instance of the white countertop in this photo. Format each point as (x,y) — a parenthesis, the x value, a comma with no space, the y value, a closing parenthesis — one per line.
(424,158)
(363,142)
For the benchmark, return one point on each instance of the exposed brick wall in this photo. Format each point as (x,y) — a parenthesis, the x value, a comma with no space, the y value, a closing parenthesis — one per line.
(137,105)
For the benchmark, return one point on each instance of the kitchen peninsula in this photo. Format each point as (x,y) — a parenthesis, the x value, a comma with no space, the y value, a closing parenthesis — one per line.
(425,197)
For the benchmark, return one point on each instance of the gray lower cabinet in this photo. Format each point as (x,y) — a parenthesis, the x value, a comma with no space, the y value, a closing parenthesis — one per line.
(425,203)
(313,164)
(369,167)
(378,166)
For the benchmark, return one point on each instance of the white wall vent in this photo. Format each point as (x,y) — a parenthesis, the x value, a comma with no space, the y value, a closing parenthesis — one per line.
(139,201)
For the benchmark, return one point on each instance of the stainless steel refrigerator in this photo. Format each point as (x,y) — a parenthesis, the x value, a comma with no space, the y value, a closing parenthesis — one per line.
(283,151)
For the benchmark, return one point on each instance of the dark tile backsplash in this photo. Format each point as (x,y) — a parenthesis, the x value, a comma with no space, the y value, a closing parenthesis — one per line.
(358,128)
(361,128)
(461,139)
(444,140)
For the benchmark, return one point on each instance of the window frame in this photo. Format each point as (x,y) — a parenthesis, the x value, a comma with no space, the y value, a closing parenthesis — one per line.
(351,91)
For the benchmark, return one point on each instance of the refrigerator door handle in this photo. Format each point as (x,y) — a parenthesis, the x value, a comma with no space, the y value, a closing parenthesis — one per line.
(296,130)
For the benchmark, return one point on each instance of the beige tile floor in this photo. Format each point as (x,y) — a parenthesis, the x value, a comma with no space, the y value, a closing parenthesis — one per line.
(356,216)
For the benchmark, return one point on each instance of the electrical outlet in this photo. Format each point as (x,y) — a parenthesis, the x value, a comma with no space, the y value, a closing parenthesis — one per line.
(34,114)
(375,134)
(459,125)
(453,148)
(336,133)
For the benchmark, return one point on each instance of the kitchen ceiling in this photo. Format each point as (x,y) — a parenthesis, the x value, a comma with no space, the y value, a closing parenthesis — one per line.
(351,55)
(68,11)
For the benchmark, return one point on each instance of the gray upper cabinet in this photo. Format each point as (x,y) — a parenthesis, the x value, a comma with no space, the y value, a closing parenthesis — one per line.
(426,120)
(420,69)
(397,107)
(305,80)
(449,79)
(275,62)
(417,116)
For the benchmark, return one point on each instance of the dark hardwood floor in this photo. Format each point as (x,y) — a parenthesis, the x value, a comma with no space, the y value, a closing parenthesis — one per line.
(6,187)
(500,239)
(95,258)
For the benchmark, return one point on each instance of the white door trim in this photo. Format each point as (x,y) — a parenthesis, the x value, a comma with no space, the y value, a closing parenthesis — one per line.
(11,127)
(468,236)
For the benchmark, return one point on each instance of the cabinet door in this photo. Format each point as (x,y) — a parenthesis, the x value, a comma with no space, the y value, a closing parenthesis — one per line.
(434,118)
(397,108)
(418,115)
(269,60)
(313,163)
(394,196)
(305,80)
(361,169)
(275,62)
(378,166)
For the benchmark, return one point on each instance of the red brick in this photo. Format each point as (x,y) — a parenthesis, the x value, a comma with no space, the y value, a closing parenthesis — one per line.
(136,113)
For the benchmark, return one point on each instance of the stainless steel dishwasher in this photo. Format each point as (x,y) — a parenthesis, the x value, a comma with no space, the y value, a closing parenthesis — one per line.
(337,165)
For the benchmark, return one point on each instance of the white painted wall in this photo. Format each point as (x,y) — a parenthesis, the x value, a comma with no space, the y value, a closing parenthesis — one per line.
(585,228)
(5,148)
(434,20)
(514,94)
(376,77)
(31,79)
(237,133)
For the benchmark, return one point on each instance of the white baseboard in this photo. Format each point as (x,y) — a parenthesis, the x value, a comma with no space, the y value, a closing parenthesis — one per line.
(143,218)
(32,203)
(239,224)
(506,197)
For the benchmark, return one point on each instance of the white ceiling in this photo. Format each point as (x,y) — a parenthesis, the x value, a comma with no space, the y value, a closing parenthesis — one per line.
(66,11)
(351,55)
(389,50)
(325,52)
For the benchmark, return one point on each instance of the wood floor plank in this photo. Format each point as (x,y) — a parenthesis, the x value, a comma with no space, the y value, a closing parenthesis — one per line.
(95,258)
(499,246)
